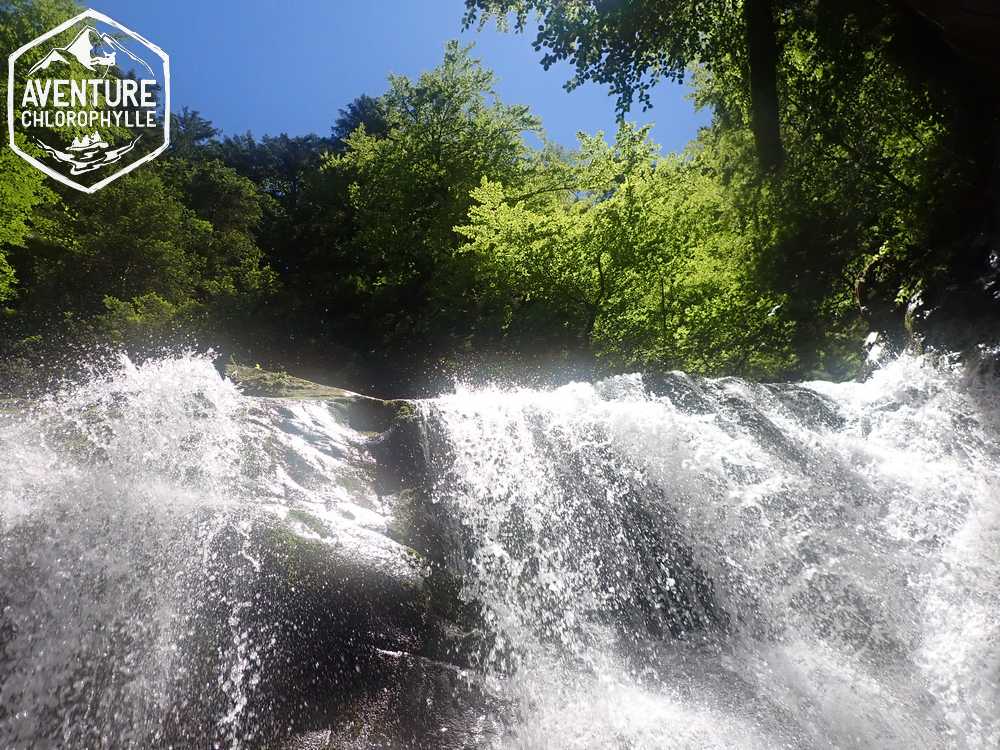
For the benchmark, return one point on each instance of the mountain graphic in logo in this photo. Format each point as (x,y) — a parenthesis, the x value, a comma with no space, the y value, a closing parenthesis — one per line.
(90,49)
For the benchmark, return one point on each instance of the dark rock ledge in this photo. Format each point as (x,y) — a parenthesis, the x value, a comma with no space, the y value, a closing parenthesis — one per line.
(370,655)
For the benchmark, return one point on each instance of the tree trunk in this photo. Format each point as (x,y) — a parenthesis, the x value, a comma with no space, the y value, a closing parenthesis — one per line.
(762,48)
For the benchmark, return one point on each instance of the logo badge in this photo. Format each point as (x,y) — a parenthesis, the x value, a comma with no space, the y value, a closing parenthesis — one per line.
(88,101)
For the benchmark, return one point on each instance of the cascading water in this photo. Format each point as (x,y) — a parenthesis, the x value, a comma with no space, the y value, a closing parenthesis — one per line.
(639,563)
(168,548)
(714,563)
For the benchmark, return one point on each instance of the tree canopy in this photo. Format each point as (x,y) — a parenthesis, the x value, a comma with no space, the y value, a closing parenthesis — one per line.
(424,233)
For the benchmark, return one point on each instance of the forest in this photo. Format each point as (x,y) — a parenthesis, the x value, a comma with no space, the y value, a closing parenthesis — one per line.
(847,183)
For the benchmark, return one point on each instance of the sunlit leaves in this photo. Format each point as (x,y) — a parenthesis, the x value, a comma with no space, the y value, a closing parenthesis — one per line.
(640,261)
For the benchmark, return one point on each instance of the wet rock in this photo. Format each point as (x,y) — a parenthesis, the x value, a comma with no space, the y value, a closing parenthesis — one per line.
(423,704)
(370,636)
(683,391)
(363,413)
(810,408)
(400,451)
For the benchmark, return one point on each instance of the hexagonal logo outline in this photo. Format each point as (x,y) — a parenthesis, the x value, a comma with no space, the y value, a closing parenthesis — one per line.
(97,16)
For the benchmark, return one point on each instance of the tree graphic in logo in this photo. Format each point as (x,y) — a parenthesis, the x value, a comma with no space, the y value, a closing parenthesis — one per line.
(88,101)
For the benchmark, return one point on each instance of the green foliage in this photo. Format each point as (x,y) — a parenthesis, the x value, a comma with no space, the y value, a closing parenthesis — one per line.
(637,260)
(364,110)
(885,140)
(403,193)
(22,188)
(164,247)
(7,279)
(21,191)
(870,182)
(630,46)
(189,133)
(424,228)
(142,315)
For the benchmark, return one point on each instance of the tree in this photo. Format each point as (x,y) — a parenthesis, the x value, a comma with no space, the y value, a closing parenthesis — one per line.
(158,249)
(364,110)
(190,133)
(633,256)
(874,182)
(632,45)
(22,187)
(406,190)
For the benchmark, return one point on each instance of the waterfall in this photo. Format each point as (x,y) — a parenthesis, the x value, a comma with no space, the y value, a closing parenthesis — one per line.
(682,562)
(642,562)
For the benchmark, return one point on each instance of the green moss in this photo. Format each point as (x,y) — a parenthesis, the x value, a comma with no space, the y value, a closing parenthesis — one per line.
(363,413)
(255,381)
(405,411)
(310,522)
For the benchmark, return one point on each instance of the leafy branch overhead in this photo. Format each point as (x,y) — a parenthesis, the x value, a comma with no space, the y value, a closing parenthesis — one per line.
(632,46)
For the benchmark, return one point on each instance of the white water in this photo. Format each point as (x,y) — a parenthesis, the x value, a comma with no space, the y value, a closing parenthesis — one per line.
(134,508)
(850,534)
(722,565)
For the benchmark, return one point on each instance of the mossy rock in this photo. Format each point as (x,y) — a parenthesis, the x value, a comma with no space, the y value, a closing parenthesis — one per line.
(254,381)
(363,413)
(309,521)
(404,412)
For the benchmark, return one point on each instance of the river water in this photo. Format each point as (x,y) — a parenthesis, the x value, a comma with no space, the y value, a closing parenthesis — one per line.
(666,562)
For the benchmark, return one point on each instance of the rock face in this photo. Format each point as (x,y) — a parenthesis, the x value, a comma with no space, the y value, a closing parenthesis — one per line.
(372,643)
(366,619)
(254,381)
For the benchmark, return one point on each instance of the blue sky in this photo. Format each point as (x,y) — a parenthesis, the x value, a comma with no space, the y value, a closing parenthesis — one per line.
(272,67)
